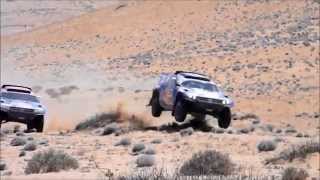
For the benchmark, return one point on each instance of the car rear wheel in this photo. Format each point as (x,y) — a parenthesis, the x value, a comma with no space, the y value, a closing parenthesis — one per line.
(180,112)
(156,109)
(224,118)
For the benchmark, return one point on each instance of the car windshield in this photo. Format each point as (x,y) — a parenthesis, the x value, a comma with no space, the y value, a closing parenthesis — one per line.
(200,85)
(19,96)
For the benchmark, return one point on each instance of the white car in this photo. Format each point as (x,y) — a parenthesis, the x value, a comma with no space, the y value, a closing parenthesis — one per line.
(188,92)
(18,104)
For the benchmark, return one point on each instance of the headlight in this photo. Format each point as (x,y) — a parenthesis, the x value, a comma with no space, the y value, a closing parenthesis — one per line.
(225,101)
(39,110)
(4,104)
(191,96)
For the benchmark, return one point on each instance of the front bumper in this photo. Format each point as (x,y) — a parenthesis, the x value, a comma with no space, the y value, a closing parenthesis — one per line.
(195,106)
(18,115)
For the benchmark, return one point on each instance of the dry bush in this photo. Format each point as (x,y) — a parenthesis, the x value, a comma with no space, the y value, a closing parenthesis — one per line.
(153,174)
(267,145)
(98,120)
(145,160)
(118,115)
(67,89)
(30,146)
(111,128)
(207,163)
(16,128)
(296,151)
(18,141)
(50,161)
(138,147)
(162,174)
(292,173)
(123,142)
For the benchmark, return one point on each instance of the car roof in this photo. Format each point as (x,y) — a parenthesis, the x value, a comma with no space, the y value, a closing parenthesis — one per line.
(16,89)
(192,75)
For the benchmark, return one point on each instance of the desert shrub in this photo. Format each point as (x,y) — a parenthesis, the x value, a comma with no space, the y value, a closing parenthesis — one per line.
(278,131)
(269,127)
(123,142)
(98,120)
(149,151)
(230,131)
(299,135)
(111,128)
(152,174)
(267,145)
(207,163)
(18,141)
(187,132)
(145,160)
(290,130)
(50,161)
(19,133)
(162,174)
(296,151)
(67,89)
(43,142)
(242,116)
(16,128)
(6,131)
(30,146)
(156,141)
(256,121)
(138,147)
(292,173)
(244,130)
(137,122)
(22,153)
(218,130)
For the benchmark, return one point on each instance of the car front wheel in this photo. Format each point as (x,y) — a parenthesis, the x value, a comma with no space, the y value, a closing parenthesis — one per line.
(37,124)
(180,112)
(224,118)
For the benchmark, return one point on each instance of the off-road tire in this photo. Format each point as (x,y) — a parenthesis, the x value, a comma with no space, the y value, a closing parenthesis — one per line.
(37,124)
(180,112)
(224,118)
(156,108)
(3,117)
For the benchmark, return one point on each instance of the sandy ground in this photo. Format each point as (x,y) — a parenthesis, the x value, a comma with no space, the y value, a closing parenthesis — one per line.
(264,54)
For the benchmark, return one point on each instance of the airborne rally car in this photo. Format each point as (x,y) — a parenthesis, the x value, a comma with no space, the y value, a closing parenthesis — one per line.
(185,93)
(18,104)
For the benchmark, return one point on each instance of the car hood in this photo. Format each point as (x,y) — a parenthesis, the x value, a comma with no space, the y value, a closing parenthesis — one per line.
(24,104)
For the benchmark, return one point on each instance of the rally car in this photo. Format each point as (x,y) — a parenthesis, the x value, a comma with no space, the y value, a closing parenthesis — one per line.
(192,93)
(19,104)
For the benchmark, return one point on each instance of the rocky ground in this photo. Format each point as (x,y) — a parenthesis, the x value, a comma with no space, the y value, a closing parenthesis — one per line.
(95,55)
